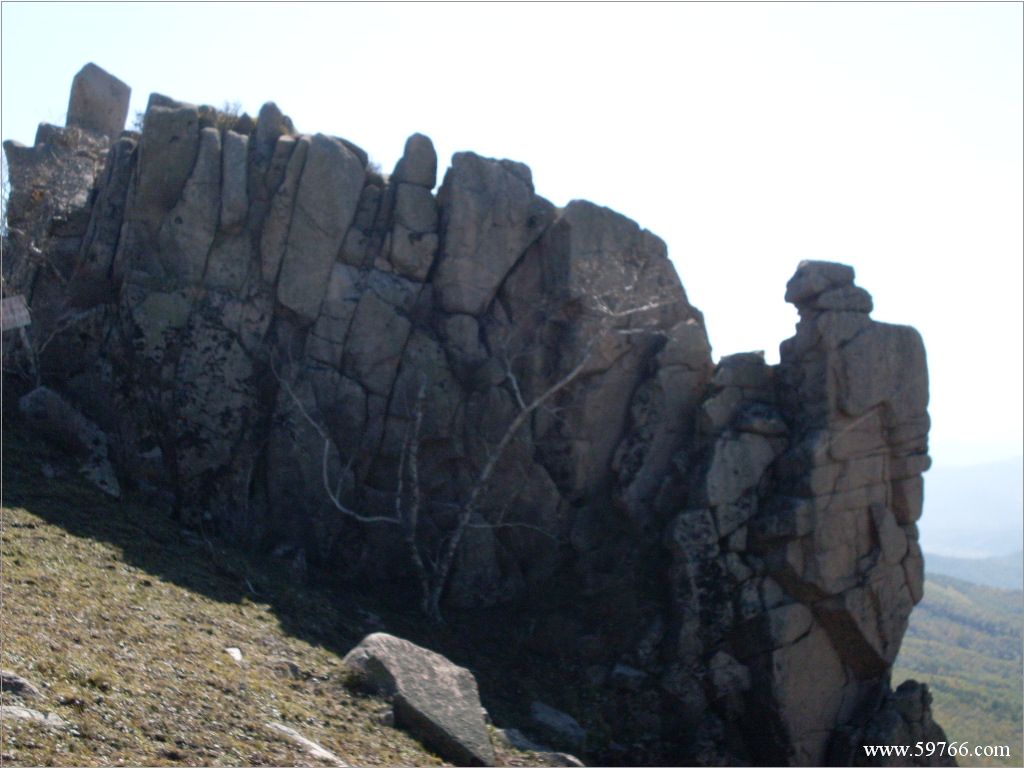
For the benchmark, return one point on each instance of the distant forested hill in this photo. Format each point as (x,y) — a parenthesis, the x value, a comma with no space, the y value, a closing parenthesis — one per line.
(1005,572)
(965,640)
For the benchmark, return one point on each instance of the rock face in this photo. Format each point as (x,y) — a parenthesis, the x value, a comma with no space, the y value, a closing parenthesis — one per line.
(433,698)
(481,399)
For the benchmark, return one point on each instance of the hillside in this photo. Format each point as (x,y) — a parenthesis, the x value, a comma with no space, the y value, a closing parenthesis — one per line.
(964,641)
(122,620)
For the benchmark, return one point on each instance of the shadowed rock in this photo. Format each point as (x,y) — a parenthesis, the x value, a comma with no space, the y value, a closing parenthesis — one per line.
(11,682)
(49,413)
(557,726)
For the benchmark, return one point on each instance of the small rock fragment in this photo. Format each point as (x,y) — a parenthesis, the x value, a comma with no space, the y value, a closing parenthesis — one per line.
(314,749)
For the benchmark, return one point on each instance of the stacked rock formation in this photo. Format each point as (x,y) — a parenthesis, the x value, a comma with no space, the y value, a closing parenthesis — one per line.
(312,357)
(801,550)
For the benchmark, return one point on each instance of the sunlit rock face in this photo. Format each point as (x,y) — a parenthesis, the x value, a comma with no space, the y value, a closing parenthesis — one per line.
(799,556)
(273,331)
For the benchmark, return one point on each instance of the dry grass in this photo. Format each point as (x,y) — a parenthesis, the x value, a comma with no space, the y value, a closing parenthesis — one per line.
(121,620)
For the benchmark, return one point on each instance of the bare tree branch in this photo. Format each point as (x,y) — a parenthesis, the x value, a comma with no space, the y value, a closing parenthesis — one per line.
(333,494)
(412,516)
(447,558)
(433,558)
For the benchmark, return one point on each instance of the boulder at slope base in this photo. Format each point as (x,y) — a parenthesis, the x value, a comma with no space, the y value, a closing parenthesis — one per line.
(434,699)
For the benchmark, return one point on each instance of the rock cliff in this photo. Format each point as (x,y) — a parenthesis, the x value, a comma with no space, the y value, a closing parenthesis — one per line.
(480,399)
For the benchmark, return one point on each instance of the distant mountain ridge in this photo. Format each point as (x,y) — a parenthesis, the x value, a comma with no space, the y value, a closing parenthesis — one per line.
(1004,572)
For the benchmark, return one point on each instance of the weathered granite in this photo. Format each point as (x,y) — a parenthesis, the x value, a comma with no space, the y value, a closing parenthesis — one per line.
(433,698)
(310,355)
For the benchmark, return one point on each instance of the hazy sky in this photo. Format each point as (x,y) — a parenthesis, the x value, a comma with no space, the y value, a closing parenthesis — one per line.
(748,136)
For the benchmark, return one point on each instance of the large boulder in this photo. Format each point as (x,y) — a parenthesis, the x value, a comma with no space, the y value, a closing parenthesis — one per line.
(188,230)
(45,719)
(234,202)
(11,682)
(433,698)
(99,101)
(167,153)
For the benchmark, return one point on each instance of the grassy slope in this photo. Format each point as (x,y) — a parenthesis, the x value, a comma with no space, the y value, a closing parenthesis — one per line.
(122,620)
(965,642)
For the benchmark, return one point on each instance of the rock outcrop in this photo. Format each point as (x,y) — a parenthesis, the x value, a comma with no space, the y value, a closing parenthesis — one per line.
(904,718)
(484,399)
(798,564)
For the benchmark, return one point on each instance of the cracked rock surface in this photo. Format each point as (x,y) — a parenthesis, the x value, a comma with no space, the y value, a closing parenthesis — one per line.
(263,324)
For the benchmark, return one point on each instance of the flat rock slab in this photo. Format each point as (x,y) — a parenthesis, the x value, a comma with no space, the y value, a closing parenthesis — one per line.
(14,712)
(314,749)
(433,698)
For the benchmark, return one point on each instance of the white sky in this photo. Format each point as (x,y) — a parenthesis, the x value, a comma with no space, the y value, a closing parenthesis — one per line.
(748,136)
